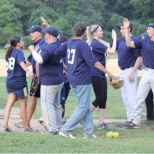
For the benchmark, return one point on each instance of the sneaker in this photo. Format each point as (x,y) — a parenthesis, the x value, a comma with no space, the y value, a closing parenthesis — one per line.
(103,126)
(34,130)
(66,134)
(28,129)
(19,125)
(89,136)
(53,132)
(41,121)
(127,123)
(133,126)
(6,129)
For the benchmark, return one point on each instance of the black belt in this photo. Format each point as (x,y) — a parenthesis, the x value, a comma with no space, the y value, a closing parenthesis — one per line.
(123,68)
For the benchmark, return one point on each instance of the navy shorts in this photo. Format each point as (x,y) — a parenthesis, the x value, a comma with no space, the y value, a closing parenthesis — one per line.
(20,93)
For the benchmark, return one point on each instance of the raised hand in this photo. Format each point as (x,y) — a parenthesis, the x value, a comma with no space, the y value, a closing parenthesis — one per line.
(126,23)
(44,22)
(114,35)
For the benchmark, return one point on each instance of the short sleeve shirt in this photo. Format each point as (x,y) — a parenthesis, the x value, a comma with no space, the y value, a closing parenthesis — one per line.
(16,76)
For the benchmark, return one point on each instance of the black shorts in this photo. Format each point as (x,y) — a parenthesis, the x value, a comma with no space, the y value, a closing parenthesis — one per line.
(35,87)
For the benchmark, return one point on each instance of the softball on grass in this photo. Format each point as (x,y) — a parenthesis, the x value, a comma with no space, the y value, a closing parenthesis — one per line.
(109,134)
(115,134)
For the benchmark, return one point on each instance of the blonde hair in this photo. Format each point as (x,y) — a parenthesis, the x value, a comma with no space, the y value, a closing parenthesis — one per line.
(90,31)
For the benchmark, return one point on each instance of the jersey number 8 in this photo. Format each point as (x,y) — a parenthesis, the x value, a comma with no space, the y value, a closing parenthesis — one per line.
(10,63)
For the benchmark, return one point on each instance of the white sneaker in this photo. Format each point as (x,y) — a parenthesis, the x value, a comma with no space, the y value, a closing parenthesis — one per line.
(41,120)
(66,134)
(90,136)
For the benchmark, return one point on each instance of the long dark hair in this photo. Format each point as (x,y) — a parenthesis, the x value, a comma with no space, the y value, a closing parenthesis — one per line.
(79,29)
(13,43)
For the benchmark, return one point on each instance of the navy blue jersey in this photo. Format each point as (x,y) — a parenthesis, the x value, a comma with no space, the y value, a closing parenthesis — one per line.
(38,46)
(51,71)
(79,60)
(126,55)
(147,46)
(99,51)
(16,76)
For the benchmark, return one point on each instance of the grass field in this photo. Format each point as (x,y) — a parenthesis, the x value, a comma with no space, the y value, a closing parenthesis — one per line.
(129,141)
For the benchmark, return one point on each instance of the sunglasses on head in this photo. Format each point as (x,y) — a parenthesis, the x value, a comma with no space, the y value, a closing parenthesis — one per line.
(151,25)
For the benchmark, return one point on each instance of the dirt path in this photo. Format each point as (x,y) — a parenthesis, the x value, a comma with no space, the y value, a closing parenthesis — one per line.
(15,118)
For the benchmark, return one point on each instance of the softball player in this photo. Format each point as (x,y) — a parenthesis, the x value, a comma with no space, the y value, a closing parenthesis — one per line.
(79,59)
(16,81)
(149,101)
(147,80)
(66,88)
(98,78)
(51,77)
(39,42)
(129,60)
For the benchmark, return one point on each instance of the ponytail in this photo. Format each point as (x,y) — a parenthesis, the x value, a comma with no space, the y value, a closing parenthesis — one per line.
(13,43)
(89,36)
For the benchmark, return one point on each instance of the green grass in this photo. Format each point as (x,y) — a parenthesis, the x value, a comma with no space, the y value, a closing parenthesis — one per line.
(130,141)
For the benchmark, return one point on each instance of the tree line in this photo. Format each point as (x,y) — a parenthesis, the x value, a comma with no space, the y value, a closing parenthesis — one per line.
(17,16)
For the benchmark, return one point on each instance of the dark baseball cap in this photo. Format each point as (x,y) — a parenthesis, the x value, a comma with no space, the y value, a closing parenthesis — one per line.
(35,28)
(130,26)
(151,25)
(51,31)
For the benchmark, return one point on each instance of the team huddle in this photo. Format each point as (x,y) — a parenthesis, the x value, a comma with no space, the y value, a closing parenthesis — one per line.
(60,64)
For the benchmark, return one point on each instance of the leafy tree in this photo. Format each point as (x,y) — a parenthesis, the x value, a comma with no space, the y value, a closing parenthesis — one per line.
(10,23)
(17,16)
(144,10)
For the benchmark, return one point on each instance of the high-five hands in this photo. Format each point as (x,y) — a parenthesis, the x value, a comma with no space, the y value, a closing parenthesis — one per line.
(126,23)
(44,22)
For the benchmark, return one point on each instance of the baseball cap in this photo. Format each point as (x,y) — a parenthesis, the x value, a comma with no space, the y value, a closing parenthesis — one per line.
(151,25)
(51,31)
(130,26)
(35,28)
